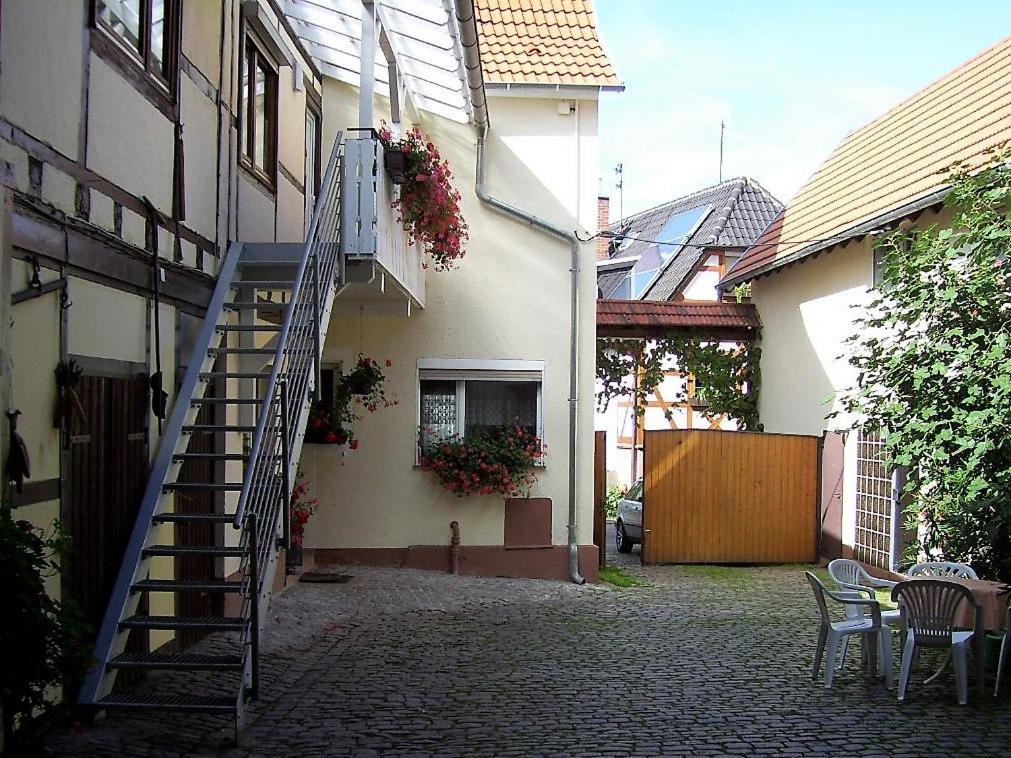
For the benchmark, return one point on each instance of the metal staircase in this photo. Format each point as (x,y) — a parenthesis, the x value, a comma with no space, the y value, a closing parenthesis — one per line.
(284,292)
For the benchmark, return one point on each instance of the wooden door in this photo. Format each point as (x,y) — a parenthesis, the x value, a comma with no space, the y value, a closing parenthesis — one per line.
(107,473)
(832,463)
(730,497)
(197,567)
(599,491)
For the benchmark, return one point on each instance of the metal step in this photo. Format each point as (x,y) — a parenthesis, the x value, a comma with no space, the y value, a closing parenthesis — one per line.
(189,661)
(193,518)
(262,304)
(218,428)
(215,550)
(226,400)
(188,585)
(212,623)
(209,457)
(150,701)
(242,350)
(249,327)
(266,284)
(235,375)
(216,486)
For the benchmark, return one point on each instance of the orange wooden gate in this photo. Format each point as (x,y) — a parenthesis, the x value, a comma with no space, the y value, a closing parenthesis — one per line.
(730,497)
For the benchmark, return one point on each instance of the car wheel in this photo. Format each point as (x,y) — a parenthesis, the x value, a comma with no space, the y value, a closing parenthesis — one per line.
(621,539)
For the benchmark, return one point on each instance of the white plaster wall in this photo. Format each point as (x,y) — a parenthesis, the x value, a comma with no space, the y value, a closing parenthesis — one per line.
(35,349)
(807,311)
(40,80)
(199,117)
(509,299)
(129,141)
(201,37)
(255,210)
(107,323)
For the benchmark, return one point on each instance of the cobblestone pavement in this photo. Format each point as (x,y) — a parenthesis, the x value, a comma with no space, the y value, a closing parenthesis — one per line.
(703,661)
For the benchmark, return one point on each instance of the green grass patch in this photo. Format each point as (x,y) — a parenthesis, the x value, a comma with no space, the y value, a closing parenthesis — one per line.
(617,577)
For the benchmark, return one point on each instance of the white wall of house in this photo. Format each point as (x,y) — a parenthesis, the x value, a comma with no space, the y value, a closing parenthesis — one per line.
(509,299)
(808,310)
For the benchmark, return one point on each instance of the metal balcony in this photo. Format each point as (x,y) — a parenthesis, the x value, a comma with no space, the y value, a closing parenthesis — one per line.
(384,271)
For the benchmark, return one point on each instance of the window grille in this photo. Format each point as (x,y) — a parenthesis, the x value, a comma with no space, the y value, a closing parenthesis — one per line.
(875,509)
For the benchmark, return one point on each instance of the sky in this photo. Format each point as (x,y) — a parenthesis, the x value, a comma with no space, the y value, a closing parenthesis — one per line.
(789,79)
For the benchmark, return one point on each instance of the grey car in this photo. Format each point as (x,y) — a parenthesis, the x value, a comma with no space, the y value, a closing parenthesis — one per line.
(628,525)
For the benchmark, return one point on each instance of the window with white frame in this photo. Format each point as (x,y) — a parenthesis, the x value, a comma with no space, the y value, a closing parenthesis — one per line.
(468,397)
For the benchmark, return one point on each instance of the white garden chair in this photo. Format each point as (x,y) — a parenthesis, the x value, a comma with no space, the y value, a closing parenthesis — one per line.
(928,615)
(942,569)
(832,633)
(1005,652)
(850,575)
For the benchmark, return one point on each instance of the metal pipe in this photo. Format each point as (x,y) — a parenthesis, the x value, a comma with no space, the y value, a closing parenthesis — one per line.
(454,548)
(574,248)
(475,82)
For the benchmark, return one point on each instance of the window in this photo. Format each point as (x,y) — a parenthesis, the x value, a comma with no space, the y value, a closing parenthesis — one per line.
(258,112)
(144,34)
(312,160)
(468,398)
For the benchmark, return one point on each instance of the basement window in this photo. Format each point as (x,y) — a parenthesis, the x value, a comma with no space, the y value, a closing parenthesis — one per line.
(258,113)
(141,39)
(469,397)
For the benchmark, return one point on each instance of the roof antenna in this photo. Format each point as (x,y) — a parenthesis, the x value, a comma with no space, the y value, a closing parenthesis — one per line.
(721,152)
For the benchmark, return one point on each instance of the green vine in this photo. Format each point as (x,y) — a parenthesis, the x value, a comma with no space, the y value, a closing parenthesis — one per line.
(727,378)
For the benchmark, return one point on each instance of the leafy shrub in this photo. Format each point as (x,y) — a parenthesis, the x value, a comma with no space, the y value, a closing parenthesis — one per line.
(41,638)
(612,497)
(933,354)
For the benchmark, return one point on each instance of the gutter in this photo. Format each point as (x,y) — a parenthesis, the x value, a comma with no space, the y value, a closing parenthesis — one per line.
(467,22)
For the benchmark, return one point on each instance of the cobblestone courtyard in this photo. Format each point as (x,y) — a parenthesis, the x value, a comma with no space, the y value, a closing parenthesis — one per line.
(701,661)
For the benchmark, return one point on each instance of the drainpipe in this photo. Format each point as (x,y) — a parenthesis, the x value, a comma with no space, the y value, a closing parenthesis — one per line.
(475,82)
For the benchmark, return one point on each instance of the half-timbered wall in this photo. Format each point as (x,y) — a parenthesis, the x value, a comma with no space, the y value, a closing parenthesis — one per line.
(107,174)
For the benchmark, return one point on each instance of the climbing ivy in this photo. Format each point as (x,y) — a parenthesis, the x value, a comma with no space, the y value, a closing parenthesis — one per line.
(726,377)
(933,355)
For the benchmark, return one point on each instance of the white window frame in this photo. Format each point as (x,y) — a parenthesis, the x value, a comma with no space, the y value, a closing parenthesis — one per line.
(461,370)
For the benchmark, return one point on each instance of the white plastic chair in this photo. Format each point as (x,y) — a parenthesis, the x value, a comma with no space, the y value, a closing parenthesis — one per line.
(928,614)
(942,569)
(850,575)
(1005,652)
(832,633)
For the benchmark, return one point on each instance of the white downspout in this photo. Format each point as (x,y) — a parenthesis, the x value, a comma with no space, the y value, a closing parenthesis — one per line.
(475,81)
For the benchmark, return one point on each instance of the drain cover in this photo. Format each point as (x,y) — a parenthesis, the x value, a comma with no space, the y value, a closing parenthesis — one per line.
(323,577)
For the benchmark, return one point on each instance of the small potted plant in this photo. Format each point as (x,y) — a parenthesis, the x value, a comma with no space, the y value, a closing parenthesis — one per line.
(326,425)
(302,508)
(428,204)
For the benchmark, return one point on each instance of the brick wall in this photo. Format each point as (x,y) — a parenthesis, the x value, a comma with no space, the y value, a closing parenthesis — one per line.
(603,219)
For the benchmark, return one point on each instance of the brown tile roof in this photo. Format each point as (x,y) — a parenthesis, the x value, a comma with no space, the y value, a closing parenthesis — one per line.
(896,164)
(542,42)
(653,318)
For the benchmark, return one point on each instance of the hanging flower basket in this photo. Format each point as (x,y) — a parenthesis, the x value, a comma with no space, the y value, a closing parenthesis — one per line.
(396,166)
(428,204)
(362,387)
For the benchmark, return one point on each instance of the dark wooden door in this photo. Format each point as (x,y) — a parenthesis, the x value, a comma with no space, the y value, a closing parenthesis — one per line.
(599,490)
(197,567)
(107,472)
(832,464)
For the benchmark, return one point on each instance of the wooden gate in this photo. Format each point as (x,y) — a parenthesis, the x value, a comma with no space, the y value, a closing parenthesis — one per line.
(599,491)
(730,497)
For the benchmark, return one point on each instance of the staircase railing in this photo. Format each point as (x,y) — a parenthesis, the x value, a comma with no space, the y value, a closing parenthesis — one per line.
(294,379)
(111,639)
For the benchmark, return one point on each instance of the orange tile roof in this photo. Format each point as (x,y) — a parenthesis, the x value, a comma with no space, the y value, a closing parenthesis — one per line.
(542,42)
(895,164)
